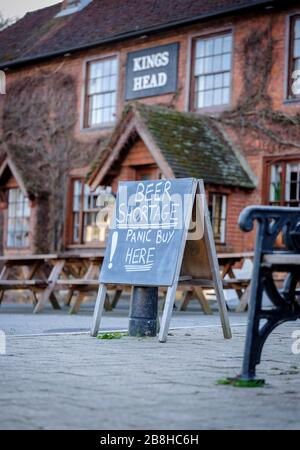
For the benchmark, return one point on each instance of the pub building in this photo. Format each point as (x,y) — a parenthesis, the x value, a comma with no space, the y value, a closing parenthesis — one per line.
(100,91)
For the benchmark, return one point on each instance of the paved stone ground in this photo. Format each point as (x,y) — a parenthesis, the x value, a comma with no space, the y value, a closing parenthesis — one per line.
(19,320)
(77,382)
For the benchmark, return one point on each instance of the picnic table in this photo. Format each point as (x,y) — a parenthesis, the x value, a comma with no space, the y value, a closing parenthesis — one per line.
(227,262)
(77,273)
(42,275)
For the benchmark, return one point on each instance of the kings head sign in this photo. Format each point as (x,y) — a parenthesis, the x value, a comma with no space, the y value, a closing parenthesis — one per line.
(151,72)
(147,232)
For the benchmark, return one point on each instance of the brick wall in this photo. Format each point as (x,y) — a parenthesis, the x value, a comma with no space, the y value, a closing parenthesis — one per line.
(74,64)
(241,26)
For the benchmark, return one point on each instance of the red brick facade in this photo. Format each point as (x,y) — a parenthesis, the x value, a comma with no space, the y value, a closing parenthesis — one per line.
(254,147)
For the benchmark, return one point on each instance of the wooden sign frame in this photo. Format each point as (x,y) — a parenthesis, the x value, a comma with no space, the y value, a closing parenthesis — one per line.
(197,264)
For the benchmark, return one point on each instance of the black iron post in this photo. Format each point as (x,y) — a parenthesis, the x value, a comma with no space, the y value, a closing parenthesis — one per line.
(143,311)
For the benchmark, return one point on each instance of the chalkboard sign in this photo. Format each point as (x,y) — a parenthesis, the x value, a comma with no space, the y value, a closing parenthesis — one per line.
(152,71)
(150,245)
(147,233)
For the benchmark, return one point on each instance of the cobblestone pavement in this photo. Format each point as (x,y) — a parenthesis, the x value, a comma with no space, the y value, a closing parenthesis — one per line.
(75,381)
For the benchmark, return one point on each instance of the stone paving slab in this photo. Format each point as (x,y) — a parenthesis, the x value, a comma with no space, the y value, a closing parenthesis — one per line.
(19,320)
(77,382)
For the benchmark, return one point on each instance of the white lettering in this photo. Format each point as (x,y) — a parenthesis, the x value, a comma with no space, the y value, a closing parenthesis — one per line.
(128,255)
(153,61)
(138,236)
(139,196)
(162,188)
(153,81)
(137,64)
(117,440)
(140,256)
(164,237)
(137,84)
(150,256)
(122,213)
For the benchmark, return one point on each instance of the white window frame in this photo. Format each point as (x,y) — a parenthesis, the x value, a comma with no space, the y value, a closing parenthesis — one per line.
(192,78)
(26,213)
(85,124)
(288,181)
(223,218)
(73,8)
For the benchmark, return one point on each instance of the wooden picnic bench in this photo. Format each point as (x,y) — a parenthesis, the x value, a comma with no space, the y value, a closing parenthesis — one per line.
(80,276)
(29,267)
(273,222)
(42,275)
(77,273)
(196,288)
(22,284)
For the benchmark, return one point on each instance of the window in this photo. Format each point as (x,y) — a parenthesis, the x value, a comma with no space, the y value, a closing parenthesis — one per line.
(84,215)
(72,6)
(294,76)
(101,96)
(218,212)
(212,71)
(284,183)
(18,219)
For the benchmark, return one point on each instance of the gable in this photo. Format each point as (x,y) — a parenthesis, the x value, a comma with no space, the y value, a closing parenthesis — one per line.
(139,155)
(129,164)
(10,177)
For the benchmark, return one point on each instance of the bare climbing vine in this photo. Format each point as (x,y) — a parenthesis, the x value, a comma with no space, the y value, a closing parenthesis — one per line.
(254,114)
(40,114)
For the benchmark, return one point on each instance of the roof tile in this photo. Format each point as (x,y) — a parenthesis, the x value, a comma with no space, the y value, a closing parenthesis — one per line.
(40,33)
(192,144)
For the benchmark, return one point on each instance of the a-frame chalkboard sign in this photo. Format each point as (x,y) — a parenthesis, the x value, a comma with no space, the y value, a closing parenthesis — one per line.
(161,236)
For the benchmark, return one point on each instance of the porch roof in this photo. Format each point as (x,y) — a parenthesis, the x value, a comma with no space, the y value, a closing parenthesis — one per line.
(183,145)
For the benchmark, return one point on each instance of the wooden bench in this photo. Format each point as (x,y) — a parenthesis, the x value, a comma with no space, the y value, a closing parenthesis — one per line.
(236,284)
(34,273)
(197,289)
(41,274)
(273,222)
(78,284)
(22,284)
(82,286)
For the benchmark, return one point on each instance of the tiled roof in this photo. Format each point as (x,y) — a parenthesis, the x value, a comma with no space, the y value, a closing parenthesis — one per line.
(192,144)
(40,34)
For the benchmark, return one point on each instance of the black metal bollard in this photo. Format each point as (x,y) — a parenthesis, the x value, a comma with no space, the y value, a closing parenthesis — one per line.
(143,311)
